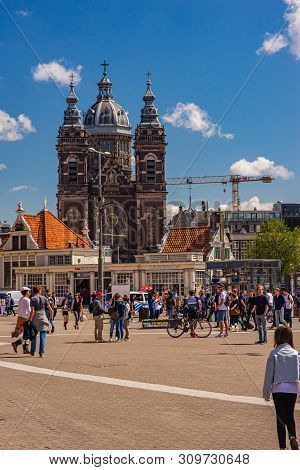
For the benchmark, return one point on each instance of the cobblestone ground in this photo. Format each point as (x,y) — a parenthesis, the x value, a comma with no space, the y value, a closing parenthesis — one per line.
(45,412)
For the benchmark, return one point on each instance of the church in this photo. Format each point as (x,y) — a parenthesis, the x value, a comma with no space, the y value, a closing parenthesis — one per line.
(133,188)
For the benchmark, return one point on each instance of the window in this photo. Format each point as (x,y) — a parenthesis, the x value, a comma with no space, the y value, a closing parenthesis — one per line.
(244,254)
(251,228)
(32,280)
(236,254)
(7,274)
(161,281)
(217,253)
(150,170)
(73,170)
(235,245)
(106,145)
(15,243)
(244,245)
(23,242)
(59,260)
(199,278)
(227,253)
(61,285)
(125,278)
(258,228)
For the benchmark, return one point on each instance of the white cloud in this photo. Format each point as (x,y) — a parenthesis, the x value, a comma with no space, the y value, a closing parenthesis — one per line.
(253,203)
(172,210)
(191,116)
(272,44)
(23,13)
(2,166)
(262,166)
(292,16)
(23,187)
(14,128)
(54,71)
(291,37)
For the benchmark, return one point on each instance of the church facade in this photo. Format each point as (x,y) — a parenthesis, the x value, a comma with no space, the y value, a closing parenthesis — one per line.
(134,200)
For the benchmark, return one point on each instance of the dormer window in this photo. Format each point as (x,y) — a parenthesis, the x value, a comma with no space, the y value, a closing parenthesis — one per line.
(23,242)
(15,243)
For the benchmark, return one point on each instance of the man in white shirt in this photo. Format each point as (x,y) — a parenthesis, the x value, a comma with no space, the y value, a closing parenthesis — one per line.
(24,317)
(222,311)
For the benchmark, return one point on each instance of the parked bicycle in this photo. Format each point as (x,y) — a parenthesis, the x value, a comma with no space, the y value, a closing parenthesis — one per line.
(182,324)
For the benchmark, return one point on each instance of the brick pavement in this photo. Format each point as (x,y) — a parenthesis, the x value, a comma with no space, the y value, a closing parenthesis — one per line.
(63,413)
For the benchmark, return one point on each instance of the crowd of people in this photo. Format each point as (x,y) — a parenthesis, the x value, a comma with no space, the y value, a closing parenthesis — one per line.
(7,305)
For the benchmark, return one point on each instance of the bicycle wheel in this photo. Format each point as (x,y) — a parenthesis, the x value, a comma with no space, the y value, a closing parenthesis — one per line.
(202,328)
(176,327)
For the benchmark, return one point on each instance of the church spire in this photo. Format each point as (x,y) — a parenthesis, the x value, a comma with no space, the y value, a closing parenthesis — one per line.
(149,114)
(105,86)
(72,113)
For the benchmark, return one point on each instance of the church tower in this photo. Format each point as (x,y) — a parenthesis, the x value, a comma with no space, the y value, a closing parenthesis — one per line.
(150,149)
(72,146)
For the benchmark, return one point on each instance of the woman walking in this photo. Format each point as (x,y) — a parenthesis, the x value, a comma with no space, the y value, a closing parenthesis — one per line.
(282,379)
(76,308)
(65,312)
(39,305)
(234,312)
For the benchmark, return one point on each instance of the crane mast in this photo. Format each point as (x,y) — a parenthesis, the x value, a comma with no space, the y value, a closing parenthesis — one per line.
(235,181)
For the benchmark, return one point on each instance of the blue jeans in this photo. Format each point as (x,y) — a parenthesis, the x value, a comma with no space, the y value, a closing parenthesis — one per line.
(151,311)
(261,321)
(43,335)
(120,328)
(113,323)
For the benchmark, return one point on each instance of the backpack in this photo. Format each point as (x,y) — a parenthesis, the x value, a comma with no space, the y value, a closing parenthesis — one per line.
(91,307)
(227,301)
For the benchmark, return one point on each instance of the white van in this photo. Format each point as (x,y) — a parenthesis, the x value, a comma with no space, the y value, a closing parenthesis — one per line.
(14,294)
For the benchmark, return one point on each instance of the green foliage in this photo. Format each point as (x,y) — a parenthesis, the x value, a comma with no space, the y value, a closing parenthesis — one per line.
(277,241)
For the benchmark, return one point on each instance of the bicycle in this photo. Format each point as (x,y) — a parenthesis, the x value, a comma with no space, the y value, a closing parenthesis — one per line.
(179,325)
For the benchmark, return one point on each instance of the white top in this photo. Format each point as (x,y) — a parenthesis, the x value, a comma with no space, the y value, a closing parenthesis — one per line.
(288,301)
(222,296)
(24,308)
(270,298)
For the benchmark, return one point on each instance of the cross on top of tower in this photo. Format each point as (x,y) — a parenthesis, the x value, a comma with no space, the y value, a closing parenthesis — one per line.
(148,74)
(105,65)
(72,79)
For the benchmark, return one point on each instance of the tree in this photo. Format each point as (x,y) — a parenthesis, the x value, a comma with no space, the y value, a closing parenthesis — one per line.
(277,241)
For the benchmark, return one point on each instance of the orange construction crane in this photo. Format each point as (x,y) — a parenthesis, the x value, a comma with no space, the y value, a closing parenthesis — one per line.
(235,180)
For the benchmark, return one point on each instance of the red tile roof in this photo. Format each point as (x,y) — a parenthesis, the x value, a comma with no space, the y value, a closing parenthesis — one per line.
(190,239)
(51,233)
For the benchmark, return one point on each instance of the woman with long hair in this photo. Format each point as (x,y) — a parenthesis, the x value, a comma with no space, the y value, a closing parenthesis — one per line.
(76,308)
(282,379)
(65,311)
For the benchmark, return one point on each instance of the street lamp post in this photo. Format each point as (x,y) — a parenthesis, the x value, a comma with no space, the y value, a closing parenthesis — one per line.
(100,220)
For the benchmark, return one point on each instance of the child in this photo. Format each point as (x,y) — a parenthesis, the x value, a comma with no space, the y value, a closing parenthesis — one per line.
(282,380)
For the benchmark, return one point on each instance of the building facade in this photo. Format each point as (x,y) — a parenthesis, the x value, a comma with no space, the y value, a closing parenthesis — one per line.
(134,204)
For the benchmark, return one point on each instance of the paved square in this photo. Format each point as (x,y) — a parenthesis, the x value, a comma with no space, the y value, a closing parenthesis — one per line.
(91,410)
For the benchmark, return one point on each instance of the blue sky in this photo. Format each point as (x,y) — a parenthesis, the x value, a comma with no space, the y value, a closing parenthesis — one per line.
(199,52)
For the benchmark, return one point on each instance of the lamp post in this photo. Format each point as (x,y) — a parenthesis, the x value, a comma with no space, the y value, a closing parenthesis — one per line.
(100,209)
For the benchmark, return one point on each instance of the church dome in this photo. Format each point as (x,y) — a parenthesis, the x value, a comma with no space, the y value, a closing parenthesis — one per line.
(106,116)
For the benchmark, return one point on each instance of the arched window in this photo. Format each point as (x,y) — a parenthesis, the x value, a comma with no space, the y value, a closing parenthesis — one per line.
(150,170)
(72,170)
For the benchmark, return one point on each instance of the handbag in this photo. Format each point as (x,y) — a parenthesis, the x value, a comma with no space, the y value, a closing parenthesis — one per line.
(113,313)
